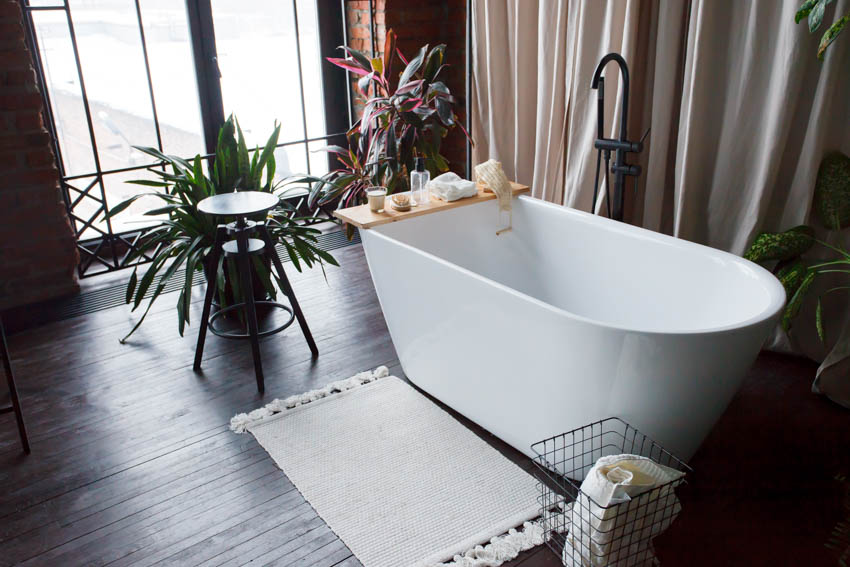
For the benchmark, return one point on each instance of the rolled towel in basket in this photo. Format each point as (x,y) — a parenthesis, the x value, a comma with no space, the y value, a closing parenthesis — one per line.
(451,187)
(619,509)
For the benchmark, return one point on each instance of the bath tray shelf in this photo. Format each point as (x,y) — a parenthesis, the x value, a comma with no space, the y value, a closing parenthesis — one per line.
(362,217)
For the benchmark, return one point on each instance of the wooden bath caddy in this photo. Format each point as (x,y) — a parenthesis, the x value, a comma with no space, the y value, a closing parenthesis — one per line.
(362,217)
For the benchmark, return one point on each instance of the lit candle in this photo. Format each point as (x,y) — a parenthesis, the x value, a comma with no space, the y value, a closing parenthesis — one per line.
(376,196)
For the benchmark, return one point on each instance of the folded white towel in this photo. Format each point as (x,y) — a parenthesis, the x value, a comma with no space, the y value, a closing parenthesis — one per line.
(451,187)
(622,524)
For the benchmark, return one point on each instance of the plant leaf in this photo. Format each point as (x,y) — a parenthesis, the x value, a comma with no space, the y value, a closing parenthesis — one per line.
(780,246)
(123,205)
(358,56)
(816,15)
(794,304)
(819,321)
(409,86)
(412,67)
(131,286)
(434,62)
(348,65)
(389,49)
(444,111)
(148,182)
(832,33)
(791,276)
(804,10)
(156,293)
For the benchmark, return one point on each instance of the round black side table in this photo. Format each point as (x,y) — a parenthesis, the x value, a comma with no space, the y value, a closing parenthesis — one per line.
(240,205)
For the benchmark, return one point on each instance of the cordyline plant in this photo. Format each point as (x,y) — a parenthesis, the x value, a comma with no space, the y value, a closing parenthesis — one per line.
(407,115)
(184,238)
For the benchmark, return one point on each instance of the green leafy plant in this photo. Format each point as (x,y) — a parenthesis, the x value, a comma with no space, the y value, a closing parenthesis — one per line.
(813,10)
(784,250)
(406,115)
(185,236)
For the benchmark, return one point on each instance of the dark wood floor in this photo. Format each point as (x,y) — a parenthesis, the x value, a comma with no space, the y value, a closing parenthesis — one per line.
(133,462)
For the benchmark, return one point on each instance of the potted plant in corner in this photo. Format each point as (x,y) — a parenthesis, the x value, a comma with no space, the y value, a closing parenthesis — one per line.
(406,115)
(785,252)
(184,238)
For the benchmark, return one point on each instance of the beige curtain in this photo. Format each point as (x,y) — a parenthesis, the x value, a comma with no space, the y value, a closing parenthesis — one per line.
(521,60)
(532,106)
(741,112)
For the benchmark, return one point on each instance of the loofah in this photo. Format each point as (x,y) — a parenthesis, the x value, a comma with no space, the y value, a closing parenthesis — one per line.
(240,423)
(491,174)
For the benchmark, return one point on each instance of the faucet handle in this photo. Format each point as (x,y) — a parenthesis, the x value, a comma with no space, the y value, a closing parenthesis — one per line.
(626,169)
(614,145)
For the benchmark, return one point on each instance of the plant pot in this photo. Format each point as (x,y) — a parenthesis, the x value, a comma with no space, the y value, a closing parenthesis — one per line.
(260,293)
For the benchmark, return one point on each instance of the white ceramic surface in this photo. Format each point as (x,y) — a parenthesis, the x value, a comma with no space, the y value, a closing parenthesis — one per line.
(568,319)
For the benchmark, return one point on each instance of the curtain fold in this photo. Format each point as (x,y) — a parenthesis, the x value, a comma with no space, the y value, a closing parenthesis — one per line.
(741,113)
(520,66)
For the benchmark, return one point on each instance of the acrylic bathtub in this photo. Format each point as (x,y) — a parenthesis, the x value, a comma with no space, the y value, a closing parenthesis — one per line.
(568,319)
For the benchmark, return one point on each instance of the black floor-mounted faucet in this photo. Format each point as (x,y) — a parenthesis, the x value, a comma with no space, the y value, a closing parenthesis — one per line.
(620,147)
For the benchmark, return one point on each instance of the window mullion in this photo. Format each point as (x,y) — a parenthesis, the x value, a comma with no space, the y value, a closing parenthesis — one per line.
(202,32)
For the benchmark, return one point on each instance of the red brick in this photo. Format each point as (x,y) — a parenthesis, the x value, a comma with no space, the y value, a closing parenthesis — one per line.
(39,158)
(21,101)
(359,32)
(19,77)
(27,178)
(8,162)
(14,59)
(29,121)
(11,30)
(42,263)
(10,10)
(16,142)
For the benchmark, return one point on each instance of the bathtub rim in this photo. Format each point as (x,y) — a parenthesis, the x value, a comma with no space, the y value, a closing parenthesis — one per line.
(774,287)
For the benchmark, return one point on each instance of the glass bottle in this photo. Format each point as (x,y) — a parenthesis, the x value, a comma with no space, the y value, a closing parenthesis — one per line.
(420,192)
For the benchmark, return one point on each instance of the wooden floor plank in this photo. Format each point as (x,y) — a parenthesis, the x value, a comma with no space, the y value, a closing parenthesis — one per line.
(133,462)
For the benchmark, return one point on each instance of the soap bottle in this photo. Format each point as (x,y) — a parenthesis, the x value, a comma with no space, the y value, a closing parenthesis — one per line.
(420,192)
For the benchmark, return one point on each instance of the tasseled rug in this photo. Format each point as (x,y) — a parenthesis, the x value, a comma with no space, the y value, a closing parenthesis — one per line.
(399,480)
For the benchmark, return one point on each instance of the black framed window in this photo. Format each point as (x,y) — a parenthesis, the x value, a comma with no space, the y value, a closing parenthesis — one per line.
(165,73)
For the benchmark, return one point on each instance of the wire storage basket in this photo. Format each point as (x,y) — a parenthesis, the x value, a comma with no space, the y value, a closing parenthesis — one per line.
(577,527)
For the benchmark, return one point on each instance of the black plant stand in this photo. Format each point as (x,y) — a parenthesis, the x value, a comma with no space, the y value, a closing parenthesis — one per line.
(13,391)
(241,205)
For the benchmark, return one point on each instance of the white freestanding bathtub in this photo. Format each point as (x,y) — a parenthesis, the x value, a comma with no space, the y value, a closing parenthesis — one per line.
(568,319)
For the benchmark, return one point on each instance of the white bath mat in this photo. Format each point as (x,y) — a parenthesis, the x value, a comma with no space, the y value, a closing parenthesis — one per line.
(400,481)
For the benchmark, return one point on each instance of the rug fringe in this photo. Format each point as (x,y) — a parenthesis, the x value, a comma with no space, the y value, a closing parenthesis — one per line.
(239,423)
(501,548)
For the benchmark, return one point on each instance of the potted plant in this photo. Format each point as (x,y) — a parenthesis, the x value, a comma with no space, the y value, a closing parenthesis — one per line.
(185,236)
(406,115)
(786,253)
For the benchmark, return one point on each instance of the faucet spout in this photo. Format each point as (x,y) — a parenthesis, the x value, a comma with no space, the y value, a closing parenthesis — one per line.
(624,71)
(619,146)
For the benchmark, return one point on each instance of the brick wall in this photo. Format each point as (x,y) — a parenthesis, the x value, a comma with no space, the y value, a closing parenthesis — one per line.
(415,24)
(37,251)
(435,22)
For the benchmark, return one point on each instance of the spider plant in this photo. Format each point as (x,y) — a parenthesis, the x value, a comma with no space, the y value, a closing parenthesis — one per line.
(406,115)
(183,239)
